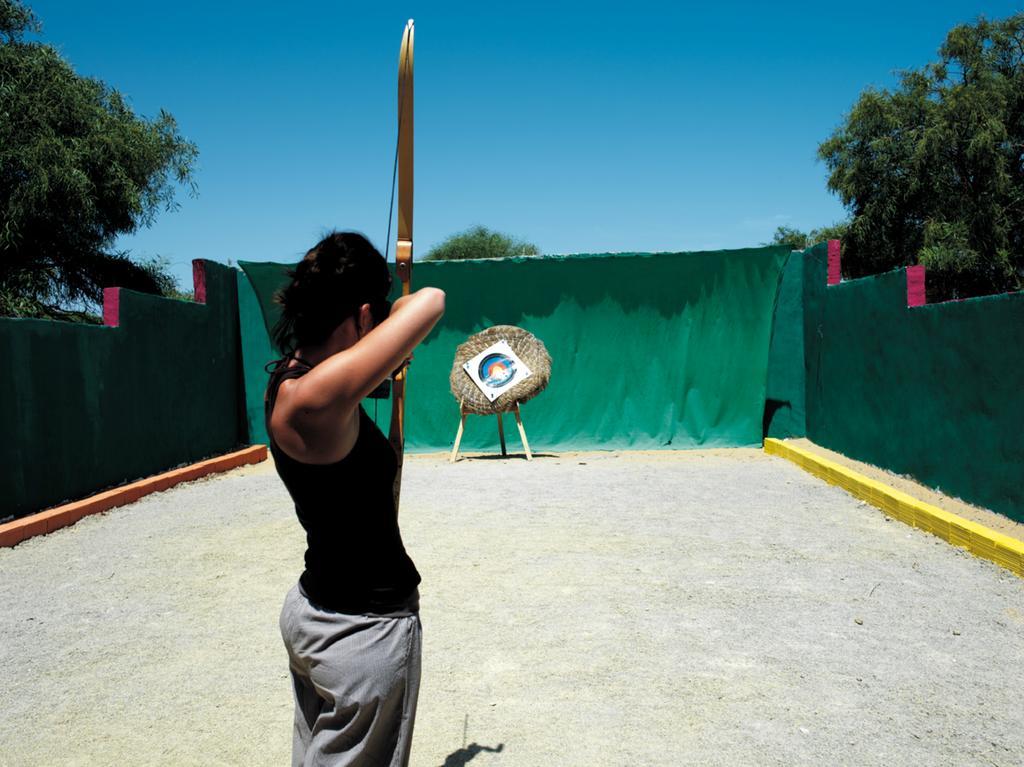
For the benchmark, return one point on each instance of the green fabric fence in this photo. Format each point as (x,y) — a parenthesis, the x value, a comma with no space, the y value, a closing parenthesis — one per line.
(930,391)
(256,349)
(784,412)
(665,350)
(86,407)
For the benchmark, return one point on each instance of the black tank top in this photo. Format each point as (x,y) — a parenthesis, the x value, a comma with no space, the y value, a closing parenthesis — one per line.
(355,560)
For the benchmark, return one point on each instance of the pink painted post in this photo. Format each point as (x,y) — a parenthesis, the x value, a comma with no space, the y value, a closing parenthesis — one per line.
(916,295)
(199,280)
(835,272)
(112,307)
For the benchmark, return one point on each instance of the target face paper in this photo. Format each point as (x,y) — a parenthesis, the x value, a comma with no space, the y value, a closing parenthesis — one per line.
(496,369)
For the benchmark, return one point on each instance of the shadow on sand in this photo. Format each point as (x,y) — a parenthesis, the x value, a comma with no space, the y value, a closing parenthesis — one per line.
(461,757)
(500,457)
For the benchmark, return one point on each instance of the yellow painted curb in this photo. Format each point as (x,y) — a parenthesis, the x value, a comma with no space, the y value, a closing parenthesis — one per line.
(978,539)
(16,531)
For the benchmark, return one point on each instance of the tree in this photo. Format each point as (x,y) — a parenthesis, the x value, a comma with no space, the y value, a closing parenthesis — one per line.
(787,235)
(797,240)
(480,242)
(933,171)
(77,169)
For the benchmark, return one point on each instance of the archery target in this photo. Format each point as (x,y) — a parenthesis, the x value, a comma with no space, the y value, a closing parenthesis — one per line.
(496,369)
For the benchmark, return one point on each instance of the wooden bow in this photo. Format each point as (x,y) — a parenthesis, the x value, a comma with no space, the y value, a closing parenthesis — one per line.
(403,249)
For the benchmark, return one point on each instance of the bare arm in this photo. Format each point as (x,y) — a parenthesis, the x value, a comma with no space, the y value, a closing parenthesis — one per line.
(344,379)
(314,411)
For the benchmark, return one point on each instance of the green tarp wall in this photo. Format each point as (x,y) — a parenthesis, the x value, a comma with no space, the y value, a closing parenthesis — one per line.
(85,407)
(931,391)
(256,349)
(665,350)
(784,411)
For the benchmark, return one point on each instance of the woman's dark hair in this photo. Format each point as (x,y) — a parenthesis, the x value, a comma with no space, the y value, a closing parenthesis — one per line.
(337,276)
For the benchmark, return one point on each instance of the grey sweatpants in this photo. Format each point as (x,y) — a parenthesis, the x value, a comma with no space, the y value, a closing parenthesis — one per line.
(356,680)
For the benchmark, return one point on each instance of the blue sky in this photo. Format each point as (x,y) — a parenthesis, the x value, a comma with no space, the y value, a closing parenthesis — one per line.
(580,127)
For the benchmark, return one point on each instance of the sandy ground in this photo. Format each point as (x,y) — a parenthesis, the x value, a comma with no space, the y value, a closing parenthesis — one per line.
(680,608)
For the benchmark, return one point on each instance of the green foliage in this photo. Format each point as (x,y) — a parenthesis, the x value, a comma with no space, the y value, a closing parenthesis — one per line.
(932,171)
(797,240)
(480,242)
(787,235)
(15,20)
(77,169)
(957,269)
(167,285)
(836,231)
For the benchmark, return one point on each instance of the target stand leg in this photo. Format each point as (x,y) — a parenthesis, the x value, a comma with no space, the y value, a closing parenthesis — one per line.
(522,434)
(458,435)
(501,435)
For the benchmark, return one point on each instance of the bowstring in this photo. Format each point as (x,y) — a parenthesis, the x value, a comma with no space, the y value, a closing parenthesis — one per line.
(394,178)
(404,64)
(403,69)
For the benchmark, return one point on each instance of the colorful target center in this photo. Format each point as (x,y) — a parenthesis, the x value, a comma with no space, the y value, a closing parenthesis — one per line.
(496,370)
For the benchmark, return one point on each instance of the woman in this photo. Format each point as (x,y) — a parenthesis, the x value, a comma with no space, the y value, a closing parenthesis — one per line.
(351,624)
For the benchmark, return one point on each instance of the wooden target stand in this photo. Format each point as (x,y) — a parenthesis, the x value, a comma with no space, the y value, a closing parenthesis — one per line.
(501,432)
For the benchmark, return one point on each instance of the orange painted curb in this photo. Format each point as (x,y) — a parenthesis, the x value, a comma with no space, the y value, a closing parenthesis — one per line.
(18,530)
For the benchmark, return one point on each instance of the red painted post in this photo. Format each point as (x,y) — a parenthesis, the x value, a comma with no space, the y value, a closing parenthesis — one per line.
(916,295)
(111,307)
(835,272)
(199,280)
